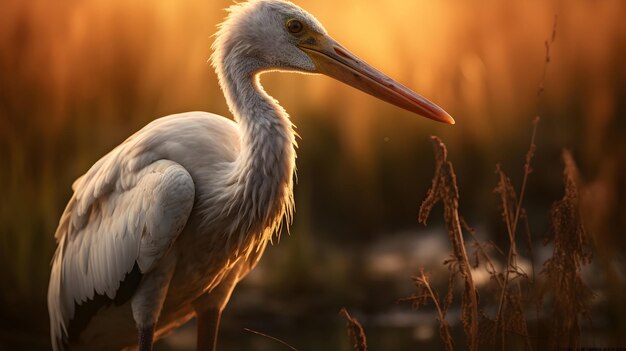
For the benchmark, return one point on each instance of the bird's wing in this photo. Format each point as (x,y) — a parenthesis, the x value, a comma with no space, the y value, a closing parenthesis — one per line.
(126,210)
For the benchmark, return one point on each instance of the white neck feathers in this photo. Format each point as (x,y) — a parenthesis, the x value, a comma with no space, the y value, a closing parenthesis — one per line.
(262,175)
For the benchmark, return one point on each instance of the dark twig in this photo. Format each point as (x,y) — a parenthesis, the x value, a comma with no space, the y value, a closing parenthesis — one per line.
(271,338)
(548,44)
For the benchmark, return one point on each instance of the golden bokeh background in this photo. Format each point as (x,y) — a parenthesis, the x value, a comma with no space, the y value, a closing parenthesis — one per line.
(79,76)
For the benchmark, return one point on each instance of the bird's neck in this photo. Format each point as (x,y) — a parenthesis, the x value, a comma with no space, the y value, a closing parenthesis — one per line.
(263,171)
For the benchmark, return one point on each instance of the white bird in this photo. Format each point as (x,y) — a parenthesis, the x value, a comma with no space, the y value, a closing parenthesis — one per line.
(162,228)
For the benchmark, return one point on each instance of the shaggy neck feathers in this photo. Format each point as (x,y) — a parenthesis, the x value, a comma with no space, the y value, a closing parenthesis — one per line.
(262,174)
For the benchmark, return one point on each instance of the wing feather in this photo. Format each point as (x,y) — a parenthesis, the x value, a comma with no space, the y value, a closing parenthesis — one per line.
(128,209)
(120,215)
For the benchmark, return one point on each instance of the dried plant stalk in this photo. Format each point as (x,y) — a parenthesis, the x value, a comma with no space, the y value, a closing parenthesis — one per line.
(563,270)
(444,188)
(424,293)
(271,338)
(548,44)
(355,330)
(512,211)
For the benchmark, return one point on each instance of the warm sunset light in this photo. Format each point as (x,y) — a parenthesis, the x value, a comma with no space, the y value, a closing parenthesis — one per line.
(77,78)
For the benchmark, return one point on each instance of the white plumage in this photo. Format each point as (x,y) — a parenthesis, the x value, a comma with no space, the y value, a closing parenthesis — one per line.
(162,228)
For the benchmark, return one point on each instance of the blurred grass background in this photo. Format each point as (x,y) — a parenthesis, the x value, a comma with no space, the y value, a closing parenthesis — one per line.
(79,76)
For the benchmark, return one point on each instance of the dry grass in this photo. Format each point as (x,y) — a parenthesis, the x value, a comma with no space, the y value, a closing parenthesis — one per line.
(445,189)
(570,295)
(510,312)
(355,331)
(424,293)
(510,316)
(514,291)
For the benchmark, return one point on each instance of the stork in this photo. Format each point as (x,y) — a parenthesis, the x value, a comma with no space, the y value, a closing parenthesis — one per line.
(162,228)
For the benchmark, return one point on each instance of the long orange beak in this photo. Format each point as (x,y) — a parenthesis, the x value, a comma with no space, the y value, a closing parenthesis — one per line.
(335,61)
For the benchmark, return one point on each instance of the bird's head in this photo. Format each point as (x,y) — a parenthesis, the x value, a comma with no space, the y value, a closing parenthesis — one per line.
(261,35)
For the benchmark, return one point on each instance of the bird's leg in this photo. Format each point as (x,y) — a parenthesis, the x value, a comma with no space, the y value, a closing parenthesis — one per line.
(146,336)
(148,300)
(208,327)
(209,309)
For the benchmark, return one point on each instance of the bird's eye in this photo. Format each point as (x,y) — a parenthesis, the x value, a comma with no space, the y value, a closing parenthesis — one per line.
(295,26)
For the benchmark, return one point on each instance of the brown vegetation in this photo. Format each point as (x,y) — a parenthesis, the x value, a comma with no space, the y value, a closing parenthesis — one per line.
(355,330)
(445,189)
(570,295)
(513,288)
(424,293)
(514,291)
